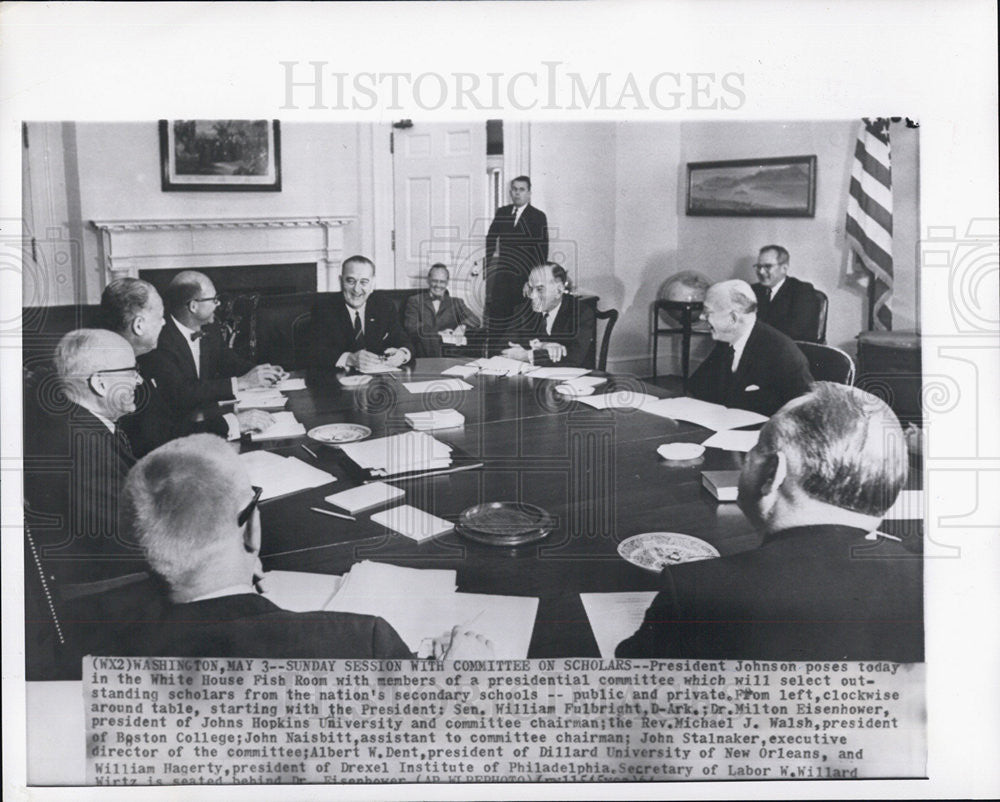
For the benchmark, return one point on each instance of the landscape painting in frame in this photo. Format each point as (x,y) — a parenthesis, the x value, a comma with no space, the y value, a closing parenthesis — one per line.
(782,187)
(220,155)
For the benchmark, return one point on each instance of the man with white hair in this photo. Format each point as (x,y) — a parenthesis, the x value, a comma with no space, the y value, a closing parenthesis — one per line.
(132,308)
(191,507)
(823,585)
(77,457)
(752,366)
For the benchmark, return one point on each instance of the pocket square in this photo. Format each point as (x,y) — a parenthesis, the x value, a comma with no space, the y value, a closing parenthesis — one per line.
(751,388)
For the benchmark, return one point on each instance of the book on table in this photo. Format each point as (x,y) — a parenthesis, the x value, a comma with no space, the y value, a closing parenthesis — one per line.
(724,485)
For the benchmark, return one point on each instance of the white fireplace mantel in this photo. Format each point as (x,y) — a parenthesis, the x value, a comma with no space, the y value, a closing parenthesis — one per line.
(128,246)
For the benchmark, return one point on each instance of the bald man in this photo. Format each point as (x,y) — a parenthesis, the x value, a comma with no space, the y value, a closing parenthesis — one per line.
(752,366)
(191,364)
(76,459)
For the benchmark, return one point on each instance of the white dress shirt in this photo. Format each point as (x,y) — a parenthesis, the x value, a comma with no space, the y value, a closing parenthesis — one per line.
(195,345)
(738,347)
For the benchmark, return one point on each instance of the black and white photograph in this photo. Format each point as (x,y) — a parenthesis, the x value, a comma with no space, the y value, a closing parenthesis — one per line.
(479,430)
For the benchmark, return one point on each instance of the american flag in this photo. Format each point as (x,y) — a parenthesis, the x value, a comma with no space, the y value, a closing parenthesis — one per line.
(869,215)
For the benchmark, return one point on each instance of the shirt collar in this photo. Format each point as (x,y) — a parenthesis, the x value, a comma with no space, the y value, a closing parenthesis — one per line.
(230,590)
(183,329)
(776,287)
(360,310)
(106,421)
(739,344)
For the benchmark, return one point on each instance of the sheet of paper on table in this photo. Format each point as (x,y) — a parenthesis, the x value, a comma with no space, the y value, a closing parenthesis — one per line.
(702,413)
(290,385)
(908,507)
(260,398)
(619,399)
(615,616)
(729,440)
(437,386)
(280,476)
(464,371)
(365,497)
(428,420)
(410,522)
(556,372)
(285,425)
(381,368)
(501,366)
(299,591)
(399,453)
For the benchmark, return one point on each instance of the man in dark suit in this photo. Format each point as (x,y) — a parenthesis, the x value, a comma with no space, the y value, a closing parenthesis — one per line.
(192,508)
(823,585)
(784,302)
(192,364)
(752,366)
(517,241)
(76,459)
(558,329)
(132,308)
(356,328)
(434,312)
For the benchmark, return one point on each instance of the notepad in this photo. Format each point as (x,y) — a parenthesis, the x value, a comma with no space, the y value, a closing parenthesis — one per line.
(280,476)
(412,523)
(290,385)
(437,386)
(702,413)
(299,591)
(724,485)
(615,616)
(365,497)
(285,425)
(262,398)
(732,440)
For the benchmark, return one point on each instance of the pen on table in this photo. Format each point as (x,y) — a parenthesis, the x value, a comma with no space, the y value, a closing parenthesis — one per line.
(333,514)
(422,475)
(309,451)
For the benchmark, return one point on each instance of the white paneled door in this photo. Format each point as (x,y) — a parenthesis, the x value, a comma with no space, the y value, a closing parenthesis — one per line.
(440,204)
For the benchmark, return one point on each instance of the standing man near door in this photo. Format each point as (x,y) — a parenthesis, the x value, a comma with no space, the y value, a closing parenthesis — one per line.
(517,242)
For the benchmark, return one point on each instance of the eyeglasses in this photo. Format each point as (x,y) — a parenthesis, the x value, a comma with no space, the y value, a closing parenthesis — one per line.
(244,516)
(214,299)
(136,375)
(769,267)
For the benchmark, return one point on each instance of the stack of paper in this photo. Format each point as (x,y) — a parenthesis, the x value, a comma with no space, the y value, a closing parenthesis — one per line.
(556,372)
(413,523)
(430,419)
(285,425)
(619,399)
(437,386)
(702,413)
(400,453)
(500,366)
(260,398)
(365,497)
(449,337)
(422,605)
(280,476)
(299,591)
(290,385)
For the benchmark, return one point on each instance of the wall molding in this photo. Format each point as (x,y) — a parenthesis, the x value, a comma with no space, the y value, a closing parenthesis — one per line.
(128,246)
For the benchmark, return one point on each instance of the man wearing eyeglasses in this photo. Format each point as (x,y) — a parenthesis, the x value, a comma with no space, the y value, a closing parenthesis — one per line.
(76,459)
(192,364)
(191,507)
(783,301)
(357,329)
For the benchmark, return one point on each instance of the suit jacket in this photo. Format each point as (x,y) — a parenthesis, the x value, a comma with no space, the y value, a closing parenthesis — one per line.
(154,422)
(523,246)
(422,323)
(332,333)
(809,593)
(74,470)
(249,625)
(770,361)
(172,366)
(574,327)
(793,311)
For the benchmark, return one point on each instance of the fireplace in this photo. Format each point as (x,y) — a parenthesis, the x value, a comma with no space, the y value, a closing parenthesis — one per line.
(276,279)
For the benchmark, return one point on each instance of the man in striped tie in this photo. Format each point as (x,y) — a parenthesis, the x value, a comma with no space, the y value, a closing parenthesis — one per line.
(76,459)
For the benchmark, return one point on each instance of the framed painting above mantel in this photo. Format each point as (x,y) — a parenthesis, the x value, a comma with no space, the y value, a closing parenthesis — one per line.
(220,155)
(781,187)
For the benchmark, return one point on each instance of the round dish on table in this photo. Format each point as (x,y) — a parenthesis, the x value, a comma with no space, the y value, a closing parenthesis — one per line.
(505,523)
(354,379)
(656,550)
(336,434)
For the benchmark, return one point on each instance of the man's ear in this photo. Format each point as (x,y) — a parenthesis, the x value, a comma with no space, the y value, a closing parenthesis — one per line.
(97,385)
(251,534)
(774,472)
(138,325)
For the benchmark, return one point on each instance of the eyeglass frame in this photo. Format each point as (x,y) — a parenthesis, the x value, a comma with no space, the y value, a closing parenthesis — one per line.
(759,266)
(214,299)
(247,511)
(134,369)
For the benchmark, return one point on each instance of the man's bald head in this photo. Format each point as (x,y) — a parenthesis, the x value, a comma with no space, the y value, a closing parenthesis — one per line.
(191,298)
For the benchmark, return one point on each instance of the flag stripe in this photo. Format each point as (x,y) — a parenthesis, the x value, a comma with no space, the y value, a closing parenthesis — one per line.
(872,254)
(878,168)
(860,205)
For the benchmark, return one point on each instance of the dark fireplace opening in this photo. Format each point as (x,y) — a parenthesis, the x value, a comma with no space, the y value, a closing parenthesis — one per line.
(281,279)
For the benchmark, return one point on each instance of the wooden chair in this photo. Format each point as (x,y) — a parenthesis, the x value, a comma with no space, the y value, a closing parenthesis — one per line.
(611,316)
(822,308)
(827,363)
(301,328)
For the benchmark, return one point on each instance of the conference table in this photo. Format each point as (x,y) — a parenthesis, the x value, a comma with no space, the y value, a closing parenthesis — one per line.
(596,471)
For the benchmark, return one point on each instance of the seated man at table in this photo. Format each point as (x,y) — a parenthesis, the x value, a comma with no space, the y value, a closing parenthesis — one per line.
(784,302)
(752,366)
(76,458)
(356,327)
(557,328)
(132,309)
(820,479)
(191,507)
(192,364)
(432,313)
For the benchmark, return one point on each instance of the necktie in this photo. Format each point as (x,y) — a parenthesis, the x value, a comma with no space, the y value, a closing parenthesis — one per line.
(197,335)
(358,333)
(124,446)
